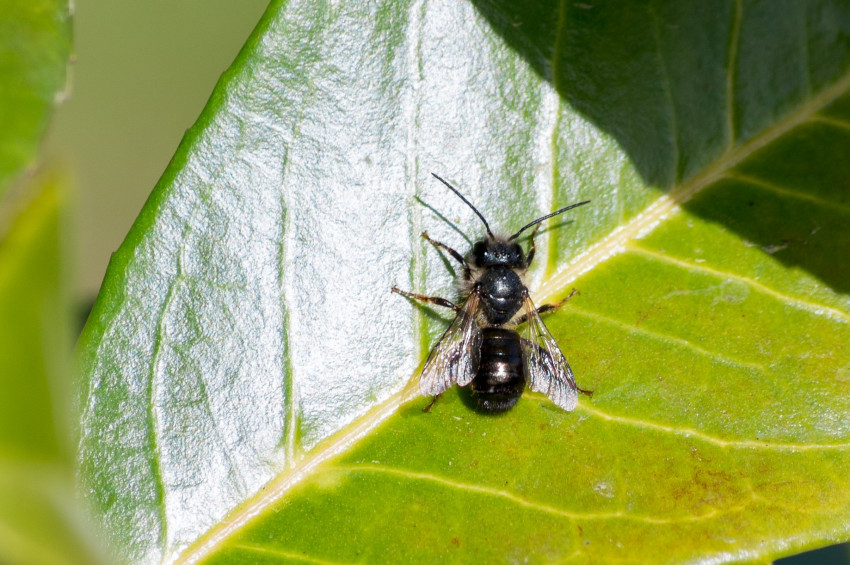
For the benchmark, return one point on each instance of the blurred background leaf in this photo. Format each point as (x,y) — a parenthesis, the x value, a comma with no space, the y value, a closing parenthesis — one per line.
(40,521)
(141,75)
(243,328)
(35,42)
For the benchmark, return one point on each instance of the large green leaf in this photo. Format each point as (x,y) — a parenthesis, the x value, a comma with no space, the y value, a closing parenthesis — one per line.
(35,41)
(247,364)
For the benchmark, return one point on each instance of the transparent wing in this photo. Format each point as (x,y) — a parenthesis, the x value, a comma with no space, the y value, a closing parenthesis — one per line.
(548,370)
(454,360)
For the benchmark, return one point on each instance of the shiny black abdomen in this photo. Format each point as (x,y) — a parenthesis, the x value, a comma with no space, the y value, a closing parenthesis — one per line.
(500,379)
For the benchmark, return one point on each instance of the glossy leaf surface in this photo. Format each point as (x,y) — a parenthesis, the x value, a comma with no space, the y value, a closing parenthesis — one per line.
(35,42)
(245,335)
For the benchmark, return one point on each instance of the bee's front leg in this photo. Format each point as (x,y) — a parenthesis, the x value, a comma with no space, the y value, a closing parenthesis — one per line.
(531,247)
(429,299)
(458,257)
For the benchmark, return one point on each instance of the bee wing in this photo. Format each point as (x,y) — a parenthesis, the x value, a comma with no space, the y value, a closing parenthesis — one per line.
(455,358)
(548,370)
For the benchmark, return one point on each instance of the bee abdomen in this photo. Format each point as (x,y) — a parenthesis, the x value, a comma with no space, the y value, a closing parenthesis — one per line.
(500,379)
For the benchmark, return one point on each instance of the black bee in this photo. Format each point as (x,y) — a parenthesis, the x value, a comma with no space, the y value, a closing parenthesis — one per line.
(480,346)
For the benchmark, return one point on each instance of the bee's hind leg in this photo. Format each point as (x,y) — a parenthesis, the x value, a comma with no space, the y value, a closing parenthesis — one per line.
(549,307)
(430,299)
(433,401)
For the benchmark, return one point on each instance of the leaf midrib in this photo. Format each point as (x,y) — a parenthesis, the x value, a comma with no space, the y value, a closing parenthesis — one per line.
(613,244)
(666,204)
(280,485)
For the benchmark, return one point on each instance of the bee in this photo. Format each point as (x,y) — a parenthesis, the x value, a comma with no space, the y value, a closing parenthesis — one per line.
(481,346)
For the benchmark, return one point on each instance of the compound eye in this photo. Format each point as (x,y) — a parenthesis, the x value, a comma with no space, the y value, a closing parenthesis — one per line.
(478,251)
(516,253)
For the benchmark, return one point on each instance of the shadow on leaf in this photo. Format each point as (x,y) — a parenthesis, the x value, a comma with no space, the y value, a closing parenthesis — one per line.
(749,92)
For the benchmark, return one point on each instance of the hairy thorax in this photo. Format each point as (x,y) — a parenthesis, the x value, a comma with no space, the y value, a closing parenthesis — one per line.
(502,292)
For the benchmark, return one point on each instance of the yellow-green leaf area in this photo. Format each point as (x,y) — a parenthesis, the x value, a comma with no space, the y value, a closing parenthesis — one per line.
(30,300)
(725,443)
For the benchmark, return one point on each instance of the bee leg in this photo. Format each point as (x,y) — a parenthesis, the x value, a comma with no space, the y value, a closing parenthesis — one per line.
(583,391)
(449,250)
(430,299)
(548,307)
(433,401)
(531,248)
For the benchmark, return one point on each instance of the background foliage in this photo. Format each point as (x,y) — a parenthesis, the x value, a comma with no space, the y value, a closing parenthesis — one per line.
(39,521)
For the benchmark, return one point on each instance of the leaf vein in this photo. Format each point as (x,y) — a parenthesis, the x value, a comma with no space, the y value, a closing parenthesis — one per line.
(277,552)
(653,214)
(804,47)
(691,433)
(153,426)
(278,487)
(731,69)
(668,94)
(815,308)
(225,449)
(531,504)
(835,122)
(787,191)
(290,439)
(555,68)
(667,338)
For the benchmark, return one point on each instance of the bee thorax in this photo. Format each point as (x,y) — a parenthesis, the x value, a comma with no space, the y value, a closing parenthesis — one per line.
(501,292)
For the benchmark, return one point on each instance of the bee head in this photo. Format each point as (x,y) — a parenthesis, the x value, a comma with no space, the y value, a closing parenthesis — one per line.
(493,252)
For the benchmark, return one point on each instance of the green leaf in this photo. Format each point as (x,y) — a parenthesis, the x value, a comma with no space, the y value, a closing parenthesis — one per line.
(35,42)
(247,364)
(39,521)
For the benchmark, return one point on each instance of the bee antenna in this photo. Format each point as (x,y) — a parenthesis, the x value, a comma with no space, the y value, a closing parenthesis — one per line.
(538,220)
(474,209)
